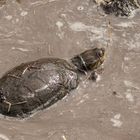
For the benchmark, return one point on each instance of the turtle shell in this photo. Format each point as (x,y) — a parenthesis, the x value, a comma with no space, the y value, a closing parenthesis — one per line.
(36,84)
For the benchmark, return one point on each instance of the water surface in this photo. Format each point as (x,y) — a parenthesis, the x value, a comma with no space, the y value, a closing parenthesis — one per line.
(105,110)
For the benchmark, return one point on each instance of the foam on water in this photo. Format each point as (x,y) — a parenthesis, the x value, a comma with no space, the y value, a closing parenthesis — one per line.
(3,137)
(130,84)
(96,33)
(79,26)
(116,121)
(129,96)
(126,24)
(20,49)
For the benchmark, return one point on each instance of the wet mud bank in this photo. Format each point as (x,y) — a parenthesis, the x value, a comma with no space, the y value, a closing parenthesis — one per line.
(118,7)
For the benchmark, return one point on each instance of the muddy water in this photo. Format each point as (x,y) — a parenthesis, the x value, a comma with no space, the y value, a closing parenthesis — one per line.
(106,110)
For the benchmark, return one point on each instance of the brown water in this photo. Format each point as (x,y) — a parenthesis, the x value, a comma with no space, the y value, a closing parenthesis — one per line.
(34,29)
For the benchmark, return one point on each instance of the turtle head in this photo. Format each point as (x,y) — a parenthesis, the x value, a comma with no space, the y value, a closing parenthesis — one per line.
(89,60)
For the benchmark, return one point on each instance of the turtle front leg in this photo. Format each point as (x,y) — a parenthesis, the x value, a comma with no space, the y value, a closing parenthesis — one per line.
(95,74)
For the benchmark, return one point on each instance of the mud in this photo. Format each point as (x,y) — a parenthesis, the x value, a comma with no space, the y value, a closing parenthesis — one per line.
(118,7)
(105,110)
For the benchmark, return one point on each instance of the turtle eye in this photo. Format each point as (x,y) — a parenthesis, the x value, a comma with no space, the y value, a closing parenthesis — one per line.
(100,53)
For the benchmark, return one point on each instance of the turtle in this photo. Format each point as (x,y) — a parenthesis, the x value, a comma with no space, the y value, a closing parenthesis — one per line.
(38,84)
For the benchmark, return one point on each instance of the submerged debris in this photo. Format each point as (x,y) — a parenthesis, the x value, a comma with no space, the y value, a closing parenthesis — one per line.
(118,7)
(114,93)
(3,137)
